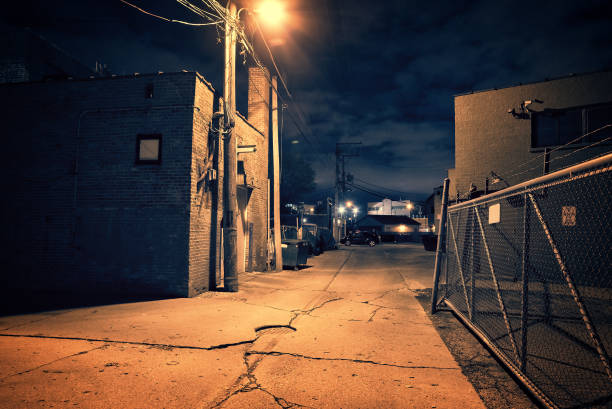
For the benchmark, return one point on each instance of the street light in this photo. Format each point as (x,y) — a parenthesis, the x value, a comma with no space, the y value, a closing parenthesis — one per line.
(272,12)
(341,209)
(349,203)
(409,206)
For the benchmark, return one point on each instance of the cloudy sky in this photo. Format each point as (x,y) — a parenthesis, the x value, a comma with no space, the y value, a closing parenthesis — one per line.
(378,72)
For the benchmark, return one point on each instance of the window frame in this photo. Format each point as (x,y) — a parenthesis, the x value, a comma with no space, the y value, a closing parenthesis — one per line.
(142,137)
(584,125)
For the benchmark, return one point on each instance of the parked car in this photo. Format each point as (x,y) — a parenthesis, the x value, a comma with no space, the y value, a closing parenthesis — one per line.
(360,237)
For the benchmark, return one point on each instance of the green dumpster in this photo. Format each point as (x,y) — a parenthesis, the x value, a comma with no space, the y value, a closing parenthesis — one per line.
(295,253)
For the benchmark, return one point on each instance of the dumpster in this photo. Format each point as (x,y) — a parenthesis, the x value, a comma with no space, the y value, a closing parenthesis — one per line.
(430,242)
(295,253)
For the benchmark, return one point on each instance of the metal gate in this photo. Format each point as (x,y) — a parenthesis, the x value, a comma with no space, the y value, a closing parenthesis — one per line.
(529,270)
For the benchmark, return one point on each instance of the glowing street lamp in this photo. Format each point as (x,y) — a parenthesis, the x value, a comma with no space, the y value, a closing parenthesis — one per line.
(349,203)
(341,209)
(271,12)
(409,206)
(355,211)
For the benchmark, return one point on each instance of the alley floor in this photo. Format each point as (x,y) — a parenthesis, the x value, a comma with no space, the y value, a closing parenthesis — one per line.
(347,331)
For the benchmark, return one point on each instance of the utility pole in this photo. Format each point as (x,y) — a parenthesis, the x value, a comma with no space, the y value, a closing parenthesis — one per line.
(230,204)
(278,258)
(336,230)
(346,149)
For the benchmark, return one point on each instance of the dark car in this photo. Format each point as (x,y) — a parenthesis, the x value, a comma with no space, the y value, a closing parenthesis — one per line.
(360,237)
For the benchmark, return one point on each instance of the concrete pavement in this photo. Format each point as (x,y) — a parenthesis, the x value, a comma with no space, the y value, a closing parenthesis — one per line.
(347,332)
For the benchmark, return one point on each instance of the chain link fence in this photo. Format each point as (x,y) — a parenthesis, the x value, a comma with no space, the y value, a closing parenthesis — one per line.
(529,270)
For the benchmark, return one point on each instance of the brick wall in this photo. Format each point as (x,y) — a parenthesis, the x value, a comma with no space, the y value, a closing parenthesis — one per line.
(488,138)
(81,215)
(206,205)
(205,262)
(256,168)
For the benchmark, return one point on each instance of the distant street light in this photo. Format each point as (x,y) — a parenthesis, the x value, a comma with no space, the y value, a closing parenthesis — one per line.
(341,209)
(355,211)
(349,203)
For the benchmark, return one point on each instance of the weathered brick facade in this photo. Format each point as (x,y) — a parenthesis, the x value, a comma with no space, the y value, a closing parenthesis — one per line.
(81,214)
(488,138)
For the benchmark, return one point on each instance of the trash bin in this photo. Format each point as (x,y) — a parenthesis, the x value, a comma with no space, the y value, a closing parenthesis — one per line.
(430,242)
(295,253)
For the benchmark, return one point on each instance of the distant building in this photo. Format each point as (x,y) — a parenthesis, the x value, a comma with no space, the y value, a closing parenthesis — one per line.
(388,207)
(115,184)
(308,208)
(502,134)
(393,227)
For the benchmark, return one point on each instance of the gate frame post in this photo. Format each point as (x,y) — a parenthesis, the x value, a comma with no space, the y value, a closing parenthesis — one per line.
(439,250)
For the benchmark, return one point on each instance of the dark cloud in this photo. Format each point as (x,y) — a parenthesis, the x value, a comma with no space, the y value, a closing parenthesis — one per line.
(383,73)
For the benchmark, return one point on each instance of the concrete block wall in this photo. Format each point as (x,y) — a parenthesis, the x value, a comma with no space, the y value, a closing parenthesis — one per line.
(488,138)
(80,214)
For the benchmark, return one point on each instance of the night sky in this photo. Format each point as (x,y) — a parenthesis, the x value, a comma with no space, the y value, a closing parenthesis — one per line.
(380,72)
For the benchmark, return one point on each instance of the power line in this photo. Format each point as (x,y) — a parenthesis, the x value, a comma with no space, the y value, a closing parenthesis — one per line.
(542,156)
(170,20)
(381,187)
(221,14)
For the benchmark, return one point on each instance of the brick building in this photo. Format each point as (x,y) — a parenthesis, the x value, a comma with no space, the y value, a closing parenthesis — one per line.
(114,184)
(394,208)
(505,131)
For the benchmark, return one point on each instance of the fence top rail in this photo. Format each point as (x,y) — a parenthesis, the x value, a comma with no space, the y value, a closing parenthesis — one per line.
(539,180)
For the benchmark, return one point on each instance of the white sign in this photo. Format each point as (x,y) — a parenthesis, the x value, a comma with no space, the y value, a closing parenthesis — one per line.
(494,213)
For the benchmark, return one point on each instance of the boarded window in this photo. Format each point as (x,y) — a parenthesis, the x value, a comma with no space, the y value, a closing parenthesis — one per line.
(148,149)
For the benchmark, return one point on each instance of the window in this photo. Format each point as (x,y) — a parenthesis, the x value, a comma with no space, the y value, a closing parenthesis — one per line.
(148,149)
(561,126)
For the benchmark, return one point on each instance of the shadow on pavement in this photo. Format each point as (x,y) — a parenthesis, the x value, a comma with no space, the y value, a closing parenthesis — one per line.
(496,386)
(22,302)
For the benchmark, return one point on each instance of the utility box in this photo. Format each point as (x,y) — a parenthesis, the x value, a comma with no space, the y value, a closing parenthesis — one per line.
(295,253)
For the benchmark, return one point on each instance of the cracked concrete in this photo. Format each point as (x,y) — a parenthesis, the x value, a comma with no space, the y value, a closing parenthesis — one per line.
(359,339)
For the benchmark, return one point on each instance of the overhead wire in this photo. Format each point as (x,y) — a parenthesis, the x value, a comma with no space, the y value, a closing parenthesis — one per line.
(381,187)
(542,156)
(170,20)
(220,16)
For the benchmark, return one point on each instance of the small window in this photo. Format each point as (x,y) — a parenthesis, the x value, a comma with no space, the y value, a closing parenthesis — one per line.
(148,149)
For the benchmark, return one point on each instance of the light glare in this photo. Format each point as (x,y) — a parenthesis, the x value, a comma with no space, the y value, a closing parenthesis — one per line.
(271,12)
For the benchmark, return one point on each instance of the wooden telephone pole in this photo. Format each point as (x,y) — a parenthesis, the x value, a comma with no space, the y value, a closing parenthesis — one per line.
(230,203)
(278,256)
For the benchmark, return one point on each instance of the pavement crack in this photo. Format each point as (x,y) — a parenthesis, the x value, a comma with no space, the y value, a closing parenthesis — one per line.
(150,344)
(52,362)
(357,361)
(374,313)
(384,294)
(247,382)
(338,271)
(297,313)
